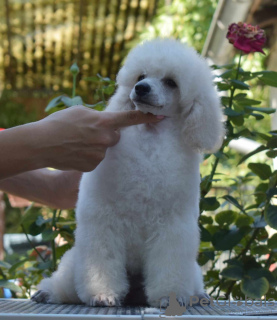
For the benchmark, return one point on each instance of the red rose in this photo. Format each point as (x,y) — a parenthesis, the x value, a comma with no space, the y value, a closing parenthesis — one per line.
(246,37)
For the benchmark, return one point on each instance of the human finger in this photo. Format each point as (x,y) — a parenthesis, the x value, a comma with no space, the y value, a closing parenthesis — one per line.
(130,118)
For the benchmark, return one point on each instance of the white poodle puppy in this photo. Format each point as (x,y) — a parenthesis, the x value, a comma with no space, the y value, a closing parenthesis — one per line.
(138,211)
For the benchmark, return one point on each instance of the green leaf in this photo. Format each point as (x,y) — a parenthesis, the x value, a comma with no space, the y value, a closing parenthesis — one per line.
(45,265)
(232,113)
(268,77)
(9,285)
(5,265)
(92,79)
(34,229)
(250,154)
(262,170)
(225,101)
(262,235)
(237,121)
(271,216)
(255,288)
(69,102)
(30,216)
(225,217)
(271,153)
(209,204)
(227,239)
(229,74)
(272,142)
(243,221)
(53,103)
(257,116)
(205,219)
(248,75)
(205,234)
(205,256)
(233,201)
(223,86)
(17,265)
(109,89)
(240,85)
(98,106)
(239,97)
(248,102)
(60,251)
(272,242)
(263,110)
(49,235)
(233,272)
(260,250)
(234,262)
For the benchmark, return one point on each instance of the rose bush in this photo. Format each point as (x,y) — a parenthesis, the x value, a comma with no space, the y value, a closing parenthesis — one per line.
(241,231)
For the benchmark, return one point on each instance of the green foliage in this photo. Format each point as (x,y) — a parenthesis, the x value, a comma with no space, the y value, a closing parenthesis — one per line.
(106,88)
(187,20)
(13,112)
(240,230)
(38,262)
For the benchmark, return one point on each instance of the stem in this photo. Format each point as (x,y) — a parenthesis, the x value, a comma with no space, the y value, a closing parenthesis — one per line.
(74,86)
(237,75)
(30,242)
(54,262)
(229,290)
(230,106)
(28,239)
(214,288)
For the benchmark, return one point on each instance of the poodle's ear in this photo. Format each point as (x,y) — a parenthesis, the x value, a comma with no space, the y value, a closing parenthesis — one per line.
(203,127)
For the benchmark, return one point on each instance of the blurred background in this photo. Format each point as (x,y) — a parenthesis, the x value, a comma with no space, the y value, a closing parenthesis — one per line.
(41,39)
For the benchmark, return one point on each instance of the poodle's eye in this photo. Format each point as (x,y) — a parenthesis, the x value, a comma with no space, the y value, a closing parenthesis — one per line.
(141,77)
(171,83)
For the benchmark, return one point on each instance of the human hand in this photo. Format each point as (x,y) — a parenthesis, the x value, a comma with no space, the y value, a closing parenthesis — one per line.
(77,138)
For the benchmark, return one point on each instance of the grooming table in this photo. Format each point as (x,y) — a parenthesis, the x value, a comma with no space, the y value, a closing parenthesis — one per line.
(25,309)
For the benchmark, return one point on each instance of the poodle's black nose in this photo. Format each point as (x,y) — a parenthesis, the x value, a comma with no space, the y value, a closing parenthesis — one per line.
(142,89)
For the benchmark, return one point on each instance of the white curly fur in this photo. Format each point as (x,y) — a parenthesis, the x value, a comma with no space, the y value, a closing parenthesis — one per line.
(138,210)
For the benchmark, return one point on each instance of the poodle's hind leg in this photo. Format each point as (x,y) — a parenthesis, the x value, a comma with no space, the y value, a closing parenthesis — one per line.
(100,277)
(59,288)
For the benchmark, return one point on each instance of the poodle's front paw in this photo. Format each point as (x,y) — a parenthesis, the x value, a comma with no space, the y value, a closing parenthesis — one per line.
(104,300)
(42,296)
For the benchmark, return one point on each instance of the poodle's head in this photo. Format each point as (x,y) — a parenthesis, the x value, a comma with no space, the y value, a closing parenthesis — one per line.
(165,77)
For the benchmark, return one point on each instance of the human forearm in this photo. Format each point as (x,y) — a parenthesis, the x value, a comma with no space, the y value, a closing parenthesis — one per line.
(21,150)
(56,189)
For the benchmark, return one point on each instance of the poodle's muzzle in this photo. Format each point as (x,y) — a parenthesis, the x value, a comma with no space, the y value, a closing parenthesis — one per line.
(142,89)
(146,97)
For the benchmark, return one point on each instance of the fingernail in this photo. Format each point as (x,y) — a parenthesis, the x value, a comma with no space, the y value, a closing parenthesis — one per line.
(160,117)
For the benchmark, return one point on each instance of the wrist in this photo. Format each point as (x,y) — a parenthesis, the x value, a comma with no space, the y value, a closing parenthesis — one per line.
(39,144)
